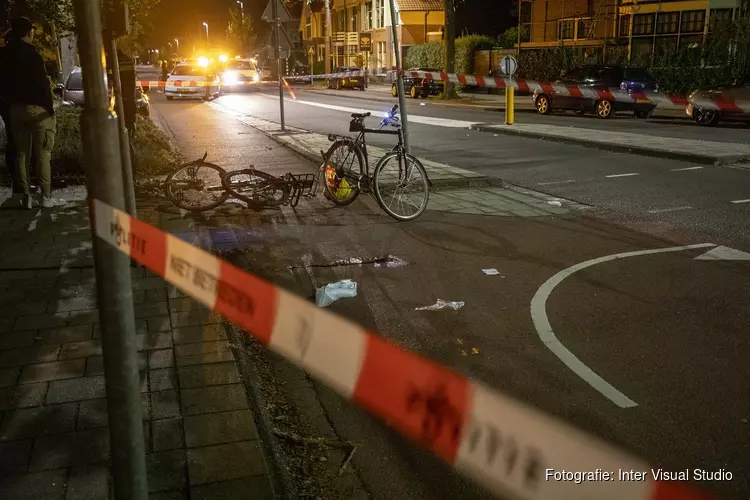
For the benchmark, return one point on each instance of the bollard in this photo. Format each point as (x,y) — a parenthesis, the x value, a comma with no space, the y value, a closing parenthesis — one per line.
(510,101)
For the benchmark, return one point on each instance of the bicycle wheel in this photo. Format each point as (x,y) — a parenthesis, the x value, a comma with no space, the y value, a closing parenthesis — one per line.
(401,186)
(342,181)
(196,186)
(256,188)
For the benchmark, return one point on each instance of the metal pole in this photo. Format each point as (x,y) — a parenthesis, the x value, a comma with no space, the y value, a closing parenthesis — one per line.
(277,51)
(329,27)
(400,76)
(114,293)
(126,160)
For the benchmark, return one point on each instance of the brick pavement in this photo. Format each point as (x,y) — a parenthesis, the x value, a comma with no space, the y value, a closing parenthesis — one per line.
(201,439)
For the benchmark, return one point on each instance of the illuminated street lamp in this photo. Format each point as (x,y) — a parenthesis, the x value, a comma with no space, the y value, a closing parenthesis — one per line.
(242,10)
(178,45)
(205,24)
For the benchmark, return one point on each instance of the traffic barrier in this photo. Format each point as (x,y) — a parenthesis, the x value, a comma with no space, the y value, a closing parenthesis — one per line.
(510,448)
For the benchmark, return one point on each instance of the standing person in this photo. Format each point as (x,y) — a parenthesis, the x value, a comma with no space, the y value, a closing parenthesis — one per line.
(10,144)
(32,116)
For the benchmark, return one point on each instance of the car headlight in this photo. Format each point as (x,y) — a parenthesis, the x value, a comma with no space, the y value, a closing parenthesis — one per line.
(231,78)
(256,77)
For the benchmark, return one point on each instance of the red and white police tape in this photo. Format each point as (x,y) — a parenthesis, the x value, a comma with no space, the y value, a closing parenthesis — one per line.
(507,446)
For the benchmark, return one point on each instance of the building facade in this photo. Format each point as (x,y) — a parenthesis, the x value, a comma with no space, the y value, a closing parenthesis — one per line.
(645,27)
(352,20)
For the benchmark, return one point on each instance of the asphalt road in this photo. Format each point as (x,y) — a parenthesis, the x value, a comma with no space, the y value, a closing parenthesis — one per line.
(665,197)
(667,332)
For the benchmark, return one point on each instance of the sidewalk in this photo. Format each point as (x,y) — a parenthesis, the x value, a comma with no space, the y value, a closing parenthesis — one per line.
(201,439)
(706,152)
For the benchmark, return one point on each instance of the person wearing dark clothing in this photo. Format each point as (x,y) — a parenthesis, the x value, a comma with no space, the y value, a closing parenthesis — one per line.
(26,87)
(10,146)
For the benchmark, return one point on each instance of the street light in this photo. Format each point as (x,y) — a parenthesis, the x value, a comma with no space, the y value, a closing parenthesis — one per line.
(206,26)
(242,10)
(178,45)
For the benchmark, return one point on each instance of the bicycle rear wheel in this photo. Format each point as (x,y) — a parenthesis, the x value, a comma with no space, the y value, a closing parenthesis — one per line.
(401,186)
(257,188)
(196,186)
(342,181)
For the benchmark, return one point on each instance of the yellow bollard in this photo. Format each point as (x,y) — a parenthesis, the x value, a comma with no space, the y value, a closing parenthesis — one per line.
(510,101)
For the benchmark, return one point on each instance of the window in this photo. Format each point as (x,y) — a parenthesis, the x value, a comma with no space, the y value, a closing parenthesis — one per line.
(380,13)
(585,27)
(641,51)
(565,29)
(665,46)
(576,75)
(666,22)
(643,24)
(624,26)
(341,20)
(75,81)
(186,70)
(368,16)
(525,12)
(354,20)
(609,76)
(308,27)
(240,65)
(693,21)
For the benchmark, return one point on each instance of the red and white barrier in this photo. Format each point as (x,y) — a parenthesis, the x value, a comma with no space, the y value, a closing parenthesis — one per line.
(510,448)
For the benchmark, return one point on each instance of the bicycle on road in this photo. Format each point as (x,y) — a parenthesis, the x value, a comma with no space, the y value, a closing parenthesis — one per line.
(199,186)
(399,181)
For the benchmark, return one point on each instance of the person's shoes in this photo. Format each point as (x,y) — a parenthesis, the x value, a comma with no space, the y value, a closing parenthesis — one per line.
(27,202)
(50,202)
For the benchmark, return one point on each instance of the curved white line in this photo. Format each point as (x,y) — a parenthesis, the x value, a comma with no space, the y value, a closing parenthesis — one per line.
(547,335)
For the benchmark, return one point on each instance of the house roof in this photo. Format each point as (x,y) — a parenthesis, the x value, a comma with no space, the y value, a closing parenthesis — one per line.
(411,5)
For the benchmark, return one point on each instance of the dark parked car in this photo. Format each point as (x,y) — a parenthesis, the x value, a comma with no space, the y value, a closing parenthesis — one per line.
(632,80)
(302,74)
(420,87)
(731,93)
(71,93)
(352,82)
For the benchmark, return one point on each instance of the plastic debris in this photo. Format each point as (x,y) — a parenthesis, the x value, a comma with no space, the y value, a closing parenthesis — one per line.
(555,203)
(422,104)
(494,135)
(391,261)
(492,272)
(327,295)
(442,304)
(463,353)
(474,350)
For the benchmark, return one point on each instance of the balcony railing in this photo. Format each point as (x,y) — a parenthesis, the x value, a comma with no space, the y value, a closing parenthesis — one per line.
(350,38)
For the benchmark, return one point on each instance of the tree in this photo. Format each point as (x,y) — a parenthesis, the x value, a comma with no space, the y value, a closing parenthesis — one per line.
(449,33)
(240,32)
(509,39)
(140,26)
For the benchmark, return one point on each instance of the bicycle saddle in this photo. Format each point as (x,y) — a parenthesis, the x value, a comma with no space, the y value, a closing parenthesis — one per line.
(361,115)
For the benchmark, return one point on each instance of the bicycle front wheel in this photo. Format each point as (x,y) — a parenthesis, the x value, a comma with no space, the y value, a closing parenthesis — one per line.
(401,186)
(256,188)
(343,168)
(196,186)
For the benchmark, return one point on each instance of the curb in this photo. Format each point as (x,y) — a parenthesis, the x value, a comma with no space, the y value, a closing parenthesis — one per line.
(640,150)
(436,185)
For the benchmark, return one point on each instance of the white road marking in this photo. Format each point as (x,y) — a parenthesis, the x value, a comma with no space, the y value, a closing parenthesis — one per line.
(724,253)
(555,182)
(547,335)
(424,120)
(621,175)
(686,169)
(675,209)
(740,201)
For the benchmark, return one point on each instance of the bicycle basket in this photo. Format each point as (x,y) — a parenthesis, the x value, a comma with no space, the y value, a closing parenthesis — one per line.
(356,125)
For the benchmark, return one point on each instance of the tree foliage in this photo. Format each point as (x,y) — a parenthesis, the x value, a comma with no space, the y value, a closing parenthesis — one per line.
(432,54)
(240,31)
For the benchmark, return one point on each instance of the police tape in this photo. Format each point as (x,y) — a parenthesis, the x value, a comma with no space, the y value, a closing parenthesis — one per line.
(510,448)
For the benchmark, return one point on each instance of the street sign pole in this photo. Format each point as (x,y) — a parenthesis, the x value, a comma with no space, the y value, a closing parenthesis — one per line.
(277,53)
(127,161)
(400,81)
(114,293)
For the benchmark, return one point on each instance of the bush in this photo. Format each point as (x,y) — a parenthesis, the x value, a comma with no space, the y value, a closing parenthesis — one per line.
(432,54)
(154,154)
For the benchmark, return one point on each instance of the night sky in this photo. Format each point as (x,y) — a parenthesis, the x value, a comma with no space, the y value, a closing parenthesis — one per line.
(178,18)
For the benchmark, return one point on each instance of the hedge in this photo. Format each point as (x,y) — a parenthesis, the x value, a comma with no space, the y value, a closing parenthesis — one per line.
(432,54)
(154,154)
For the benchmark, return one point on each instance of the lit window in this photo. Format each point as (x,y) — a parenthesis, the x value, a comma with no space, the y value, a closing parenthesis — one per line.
(565,29)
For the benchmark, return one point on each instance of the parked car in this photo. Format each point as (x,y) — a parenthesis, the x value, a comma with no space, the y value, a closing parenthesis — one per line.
(600,77)
(71,93)
(302,74)
(738,91)
(208,83)
(238,73)
(419,87)
(352,82)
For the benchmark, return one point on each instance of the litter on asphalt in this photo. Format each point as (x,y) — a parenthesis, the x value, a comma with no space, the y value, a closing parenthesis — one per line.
(330,293)
(555,203)
(440,305)
(492,272)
